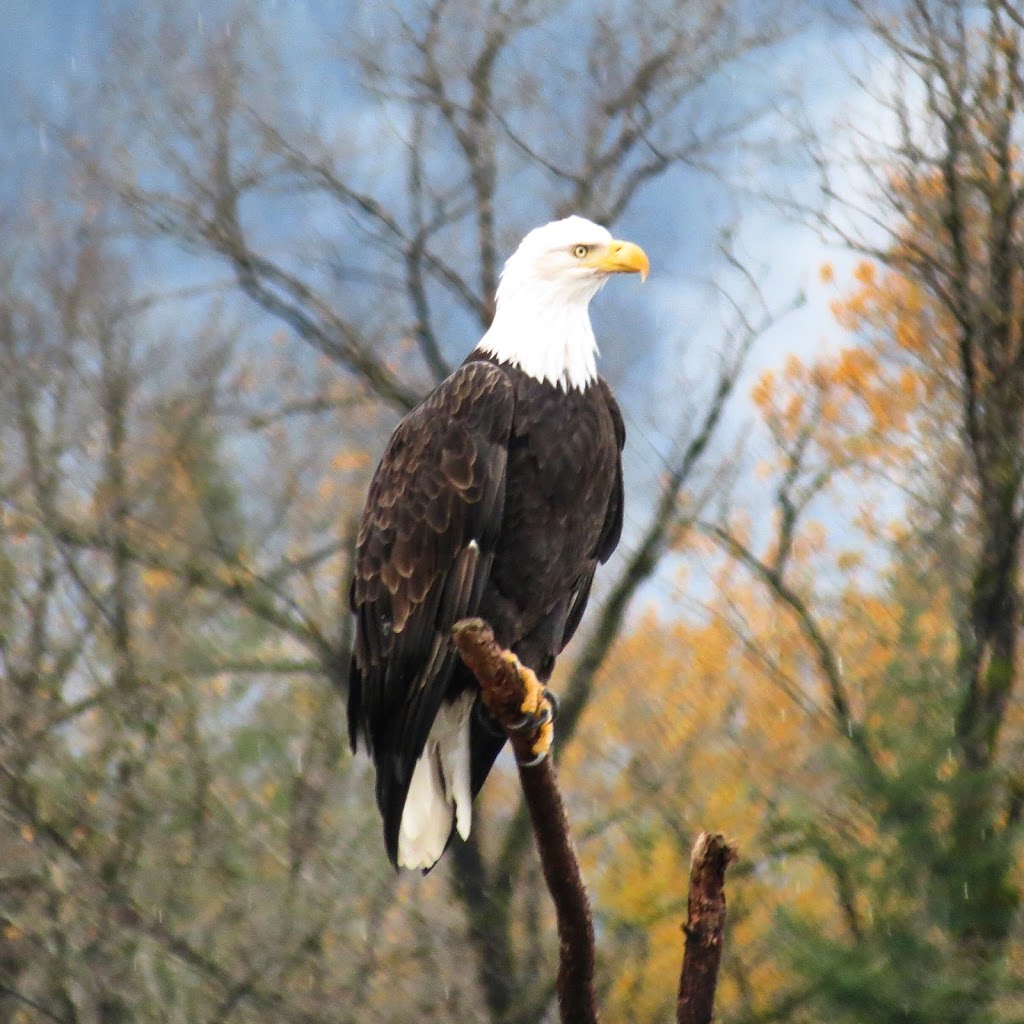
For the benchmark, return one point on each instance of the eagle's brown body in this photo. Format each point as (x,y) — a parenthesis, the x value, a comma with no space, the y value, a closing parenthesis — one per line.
(498,497)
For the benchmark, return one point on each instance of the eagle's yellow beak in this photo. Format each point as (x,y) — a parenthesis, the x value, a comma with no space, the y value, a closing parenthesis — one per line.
(624,258)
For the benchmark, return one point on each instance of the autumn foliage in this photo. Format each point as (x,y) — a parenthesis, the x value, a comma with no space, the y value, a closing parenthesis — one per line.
(808,642)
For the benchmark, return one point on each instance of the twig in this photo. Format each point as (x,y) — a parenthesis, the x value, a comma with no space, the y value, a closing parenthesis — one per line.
(705,924)
(503,695)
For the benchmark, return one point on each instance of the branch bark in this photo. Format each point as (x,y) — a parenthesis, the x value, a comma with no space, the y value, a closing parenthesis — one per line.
(704,928)
(503,695)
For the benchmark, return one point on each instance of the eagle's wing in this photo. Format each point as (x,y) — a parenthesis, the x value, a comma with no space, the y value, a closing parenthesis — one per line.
(423,556)
(611,531)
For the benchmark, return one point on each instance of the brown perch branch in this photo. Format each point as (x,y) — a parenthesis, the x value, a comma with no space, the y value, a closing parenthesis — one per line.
(705,924)
(503,696)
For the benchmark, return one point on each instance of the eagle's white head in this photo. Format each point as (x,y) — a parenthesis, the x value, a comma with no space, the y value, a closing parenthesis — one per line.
(542,322)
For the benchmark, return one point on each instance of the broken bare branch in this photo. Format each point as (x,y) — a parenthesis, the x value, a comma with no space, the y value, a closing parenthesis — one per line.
(704,928)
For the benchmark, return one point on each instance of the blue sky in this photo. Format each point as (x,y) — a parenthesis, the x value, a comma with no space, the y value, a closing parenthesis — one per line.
(47,45)
(41,37)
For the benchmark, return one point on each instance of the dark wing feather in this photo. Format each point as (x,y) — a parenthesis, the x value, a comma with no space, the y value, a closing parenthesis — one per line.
(612,530)
(423,556)
(578,604)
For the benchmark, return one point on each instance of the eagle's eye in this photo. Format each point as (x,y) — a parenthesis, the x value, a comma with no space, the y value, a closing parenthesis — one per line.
(580,251)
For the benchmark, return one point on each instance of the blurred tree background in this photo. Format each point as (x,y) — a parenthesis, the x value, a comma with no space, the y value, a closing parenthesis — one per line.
(244,240)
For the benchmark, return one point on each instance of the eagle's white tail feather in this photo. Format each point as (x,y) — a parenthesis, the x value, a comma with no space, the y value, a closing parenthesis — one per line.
(439,790)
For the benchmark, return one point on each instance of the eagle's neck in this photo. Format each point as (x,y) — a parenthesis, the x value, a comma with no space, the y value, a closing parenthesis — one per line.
(544,329)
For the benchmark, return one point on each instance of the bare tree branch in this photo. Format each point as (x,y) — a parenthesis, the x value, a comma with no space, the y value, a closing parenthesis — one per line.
(704,929)
(504,695)
(842,713)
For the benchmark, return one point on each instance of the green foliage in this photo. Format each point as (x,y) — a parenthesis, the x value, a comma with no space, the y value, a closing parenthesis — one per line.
(920,897)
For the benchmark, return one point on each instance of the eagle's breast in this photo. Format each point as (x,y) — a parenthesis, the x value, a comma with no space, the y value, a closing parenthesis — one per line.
(562,467)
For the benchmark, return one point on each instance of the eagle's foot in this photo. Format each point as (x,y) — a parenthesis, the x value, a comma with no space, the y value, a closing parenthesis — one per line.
(539,709)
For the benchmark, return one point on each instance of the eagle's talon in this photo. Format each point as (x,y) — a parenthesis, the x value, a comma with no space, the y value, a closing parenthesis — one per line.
(553,702)
(541,745)
(535,722)
(534,761)
(525,724)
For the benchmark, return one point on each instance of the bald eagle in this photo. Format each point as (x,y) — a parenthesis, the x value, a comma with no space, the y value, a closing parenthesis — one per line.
(497,496)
